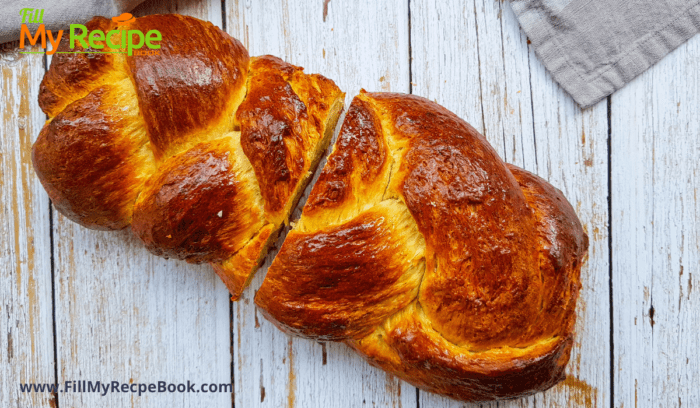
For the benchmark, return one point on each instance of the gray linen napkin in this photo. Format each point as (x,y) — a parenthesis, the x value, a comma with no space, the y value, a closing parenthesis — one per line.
(58,15)
(594,47)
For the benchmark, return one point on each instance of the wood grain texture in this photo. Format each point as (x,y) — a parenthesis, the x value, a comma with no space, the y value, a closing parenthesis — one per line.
(472,58)
(26,324)
(656,233)
(572,154)
(125,315)
(122,314)
(356,44)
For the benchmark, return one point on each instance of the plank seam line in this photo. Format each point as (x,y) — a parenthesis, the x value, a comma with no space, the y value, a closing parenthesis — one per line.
(410,91)
(650,312)
(610,258)
(223,15)
(532,100)
(53,304)
(410,52)
(53,292)
(230,302)
(505,89)
(478,62)
(233,365)
(53,283)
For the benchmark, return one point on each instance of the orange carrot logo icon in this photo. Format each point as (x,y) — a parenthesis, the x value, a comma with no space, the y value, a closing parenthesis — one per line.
(123,19)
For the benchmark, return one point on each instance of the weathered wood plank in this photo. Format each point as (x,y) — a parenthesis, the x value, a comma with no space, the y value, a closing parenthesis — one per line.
(656,233)
(572,154)
(125,315)
(357,44)
(26,324)
(169,321)
(472,58)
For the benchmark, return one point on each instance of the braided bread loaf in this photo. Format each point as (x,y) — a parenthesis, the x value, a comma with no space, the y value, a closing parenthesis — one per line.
(431,257)
(418,246)
(201,149)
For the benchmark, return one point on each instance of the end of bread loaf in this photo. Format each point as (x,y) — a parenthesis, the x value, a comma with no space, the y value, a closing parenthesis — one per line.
(93,157)
(203,150)
(431,257)
(82,158)
(73,76)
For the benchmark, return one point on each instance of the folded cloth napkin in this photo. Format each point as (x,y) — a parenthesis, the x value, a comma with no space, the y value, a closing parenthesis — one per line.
(594,47)
(57,15)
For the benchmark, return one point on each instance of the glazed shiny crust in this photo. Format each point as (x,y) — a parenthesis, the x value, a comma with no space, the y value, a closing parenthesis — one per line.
(200,148)
(426,253)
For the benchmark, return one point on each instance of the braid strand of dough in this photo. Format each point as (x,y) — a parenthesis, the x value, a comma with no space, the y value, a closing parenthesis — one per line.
(432,258)
(201,149)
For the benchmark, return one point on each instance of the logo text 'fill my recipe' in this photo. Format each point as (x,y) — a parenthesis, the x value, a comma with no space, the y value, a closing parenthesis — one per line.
(128,40)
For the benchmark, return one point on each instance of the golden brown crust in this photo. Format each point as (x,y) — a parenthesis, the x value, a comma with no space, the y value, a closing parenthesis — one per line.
(93,158)
(491,309)
(408,347)
(359,160)
(482,279)
(198,207)
(174,214)
(165,123)
(283,119)
(188,87)
(562,246)
(341,282)
(237,270)
(72,76)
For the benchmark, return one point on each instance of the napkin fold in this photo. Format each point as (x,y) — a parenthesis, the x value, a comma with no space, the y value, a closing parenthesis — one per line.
(594,47)
(591,47)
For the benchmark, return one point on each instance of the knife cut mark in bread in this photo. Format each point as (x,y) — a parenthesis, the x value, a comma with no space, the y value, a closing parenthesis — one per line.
(203,150)
(436,261)
(418,246)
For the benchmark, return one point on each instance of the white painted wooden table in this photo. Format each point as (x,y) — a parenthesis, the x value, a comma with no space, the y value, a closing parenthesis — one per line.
(84,305)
